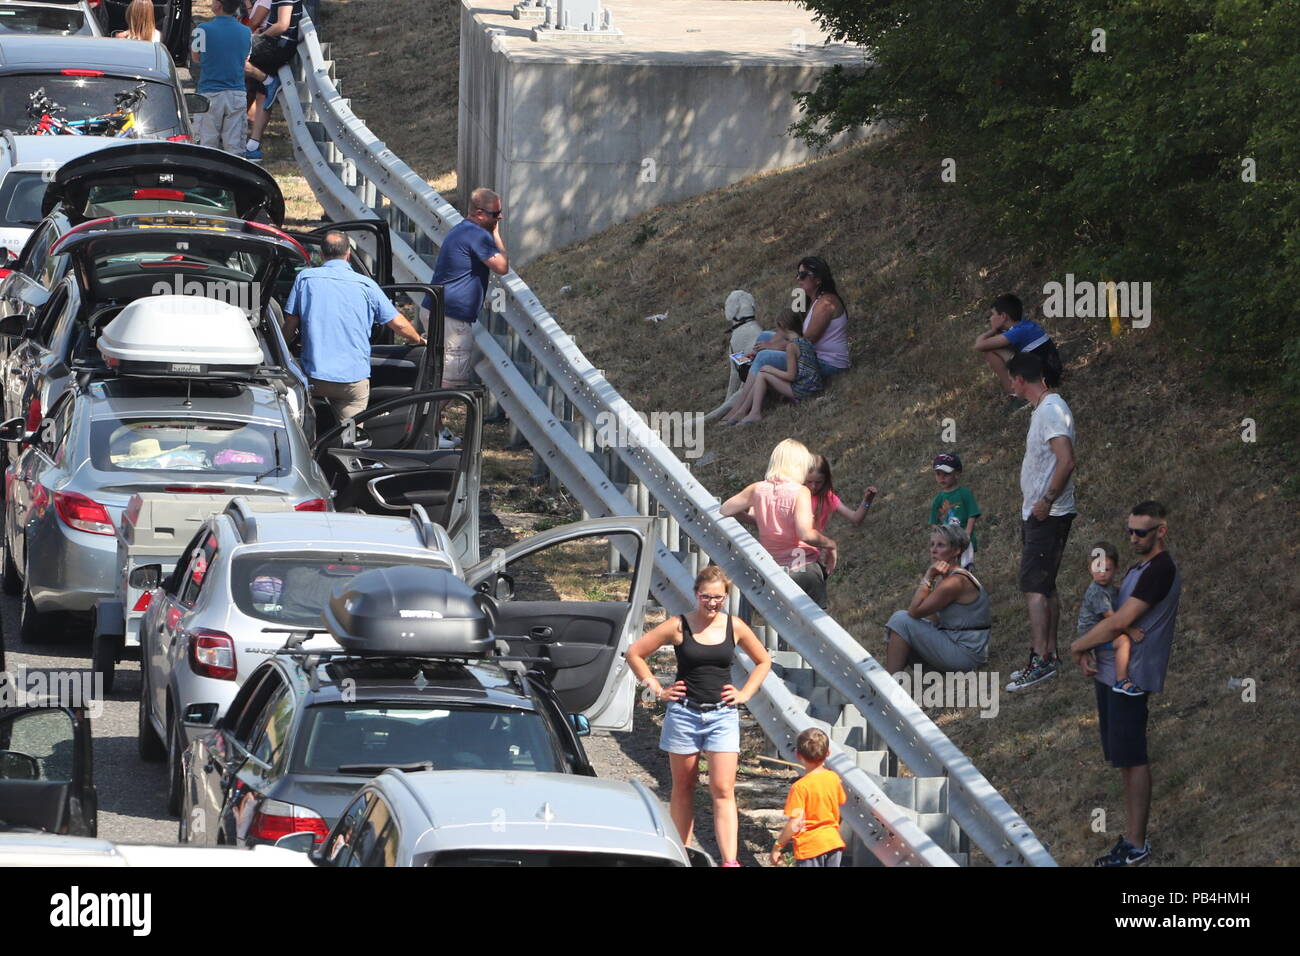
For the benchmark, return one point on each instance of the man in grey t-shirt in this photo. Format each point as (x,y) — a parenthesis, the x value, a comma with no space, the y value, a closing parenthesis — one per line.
(1148,600)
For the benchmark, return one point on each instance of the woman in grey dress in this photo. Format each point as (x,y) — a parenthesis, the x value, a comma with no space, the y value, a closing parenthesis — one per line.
(947,624)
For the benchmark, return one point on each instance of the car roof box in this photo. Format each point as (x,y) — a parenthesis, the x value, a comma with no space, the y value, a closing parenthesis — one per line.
(409,612)
(181,335)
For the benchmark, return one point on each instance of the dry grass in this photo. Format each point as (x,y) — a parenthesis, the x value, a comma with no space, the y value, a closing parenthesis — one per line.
(916,266)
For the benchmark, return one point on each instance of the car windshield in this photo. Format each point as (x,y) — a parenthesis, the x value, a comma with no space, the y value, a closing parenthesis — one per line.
(89,104)
(358,738)
(63,21)
(293,588)
(123,200)
(167,445)
(20,198)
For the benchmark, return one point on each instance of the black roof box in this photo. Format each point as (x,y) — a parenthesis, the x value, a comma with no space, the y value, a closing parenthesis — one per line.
(410,612)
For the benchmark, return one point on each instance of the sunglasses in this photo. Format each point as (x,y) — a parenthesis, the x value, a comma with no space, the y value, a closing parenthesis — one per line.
(494,214)
(804,275)
(1141,532)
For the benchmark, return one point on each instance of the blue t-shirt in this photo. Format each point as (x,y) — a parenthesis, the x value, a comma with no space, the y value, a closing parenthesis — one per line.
(462,269)
(226,43)
(337,308)
(1025,336)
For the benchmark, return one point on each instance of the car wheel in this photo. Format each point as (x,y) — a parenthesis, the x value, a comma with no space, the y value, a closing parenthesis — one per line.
(148,743)
(174,751)
(10,582)
(104,659)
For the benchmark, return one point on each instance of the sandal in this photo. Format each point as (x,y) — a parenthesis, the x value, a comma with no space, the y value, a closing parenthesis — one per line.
(1128,688)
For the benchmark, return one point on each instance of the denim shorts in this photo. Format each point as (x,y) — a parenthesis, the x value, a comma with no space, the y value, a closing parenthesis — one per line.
(688,731)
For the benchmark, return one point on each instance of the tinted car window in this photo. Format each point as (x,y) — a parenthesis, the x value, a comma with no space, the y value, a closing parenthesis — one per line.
(20,198)
(32,261)
(65,21)
(292,589)
(270,747)
(377,841)
(123,200)
(197,572)
(188,446)
(85,98)
(207,262)
(342,845)
(368,735)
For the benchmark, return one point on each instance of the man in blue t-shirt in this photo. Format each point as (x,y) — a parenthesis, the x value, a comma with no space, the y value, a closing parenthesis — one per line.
(337,307)
(1008,333)
(220,48)
(472,249)
(1148,601)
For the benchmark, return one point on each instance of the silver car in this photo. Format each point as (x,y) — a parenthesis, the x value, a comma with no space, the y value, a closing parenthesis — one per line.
(501,818)
(213,619)
(49,19)
(106,440)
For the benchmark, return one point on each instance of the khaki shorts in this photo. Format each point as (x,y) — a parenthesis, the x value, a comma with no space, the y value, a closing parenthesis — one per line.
(348,399)
(225,124)
(457,353)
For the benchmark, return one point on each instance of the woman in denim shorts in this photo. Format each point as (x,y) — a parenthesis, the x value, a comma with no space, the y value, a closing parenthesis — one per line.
(702,715)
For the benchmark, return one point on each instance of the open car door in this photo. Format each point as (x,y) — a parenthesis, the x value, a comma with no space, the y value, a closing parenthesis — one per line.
(45,770)
(560,595)
(389,458)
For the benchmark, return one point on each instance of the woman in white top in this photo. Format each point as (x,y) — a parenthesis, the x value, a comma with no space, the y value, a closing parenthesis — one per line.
(140,23)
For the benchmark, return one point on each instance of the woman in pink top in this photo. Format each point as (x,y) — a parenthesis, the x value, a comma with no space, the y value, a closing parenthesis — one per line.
(781,507)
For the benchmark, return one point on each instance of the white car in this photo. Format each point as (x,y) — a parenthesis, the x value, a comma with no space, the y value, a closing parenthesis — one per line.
(50,19)
(27,166)
(50,849)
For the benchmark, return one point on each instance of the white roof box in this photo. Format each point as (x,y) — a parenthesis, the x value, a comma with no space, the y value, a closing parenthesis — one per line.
(180,335)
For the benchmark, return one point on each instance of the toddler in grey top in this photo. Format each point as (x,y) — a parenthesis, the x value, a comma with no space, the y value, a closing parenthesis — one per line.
(1099,602)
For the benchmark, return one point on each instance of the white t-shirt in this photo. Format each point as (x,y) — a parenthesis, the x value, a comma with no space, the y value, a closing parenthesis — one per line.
(1051,419)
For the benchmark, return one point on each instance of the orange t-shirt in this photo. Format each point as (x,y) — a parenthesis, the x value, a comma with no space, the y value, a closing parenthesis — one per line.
(819,795)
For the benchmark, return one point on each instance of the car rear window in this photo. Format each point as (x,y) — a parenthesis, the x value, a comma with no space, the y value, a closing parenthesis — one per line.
(65,21)
(124,200)
(366,736)
(292,589)
(20,198)
(550,858)
(182,446)
(78,99)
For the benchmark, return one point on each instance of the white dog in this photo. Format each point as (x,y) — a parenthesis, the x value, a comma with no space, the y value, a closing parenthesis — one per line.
(743,325)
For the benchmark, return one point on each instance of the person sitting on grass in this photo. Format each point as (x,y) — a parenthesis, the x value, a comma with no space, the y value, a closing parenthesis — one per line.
(801,378)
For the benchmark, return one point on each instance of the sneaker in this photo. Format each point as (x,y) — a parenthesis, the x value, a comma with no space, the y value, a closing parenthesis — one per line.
(253,155)
(1041,670)
(731,863)
(1015,675)
(272,85)
(1125,854)
(1128,688)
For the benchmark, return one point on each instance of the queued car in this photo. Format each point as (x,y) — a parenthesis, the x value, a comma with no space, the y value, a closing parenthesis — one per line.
(27,164)
(45,849)
(55,19)
(500,818)
(81,84)
(419,684)
(214,618)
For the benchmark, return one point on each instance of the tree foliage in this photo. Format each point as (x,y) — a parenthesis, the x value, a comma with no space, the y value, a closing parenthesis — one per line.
(1133,161)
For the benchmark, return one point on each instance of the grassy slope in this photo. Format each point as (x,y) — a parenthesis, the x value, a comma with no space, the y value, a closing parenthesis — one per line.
(915,266)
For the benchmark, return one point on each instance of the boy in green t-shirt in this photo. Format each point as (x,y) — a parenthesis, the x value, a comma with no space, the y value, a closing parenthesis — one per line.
(955,504)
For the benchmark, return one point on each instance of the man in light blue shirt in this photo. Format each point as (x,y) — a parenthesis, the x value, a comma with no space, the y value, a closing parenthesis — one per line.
(337,308)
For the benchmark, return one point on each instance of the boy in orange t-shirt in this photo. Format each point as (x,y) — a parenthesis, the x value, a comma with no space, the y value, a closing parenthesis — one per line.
(813,807)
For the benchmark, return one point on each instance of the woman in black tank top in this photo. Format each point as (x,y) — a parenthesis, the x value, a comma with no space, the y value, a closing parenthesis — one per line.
(702,702)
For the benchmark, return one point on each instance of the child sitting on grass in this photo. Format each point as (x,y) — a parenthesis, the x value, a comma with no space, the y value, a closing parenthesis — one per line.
(1099,602)
(813,807)
(801,378)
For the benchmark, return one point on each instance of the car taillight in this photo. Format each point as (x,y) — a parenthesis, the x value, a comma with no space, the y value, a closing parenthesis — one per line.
(34,410)
(175,195)
(82,513)
(275,819)
(312,504)
(180,138)
(79,72)
(143,602)
(5,273)
(212,654)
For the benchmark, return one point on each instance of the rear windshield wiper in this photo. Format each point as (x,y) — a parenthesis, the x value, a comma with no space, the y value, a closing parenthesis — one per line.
(275,438)
(374,769)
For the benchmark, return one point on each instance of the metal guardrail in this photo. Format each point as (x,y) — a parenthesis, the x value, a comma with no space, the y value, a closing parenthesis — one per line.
(556,398)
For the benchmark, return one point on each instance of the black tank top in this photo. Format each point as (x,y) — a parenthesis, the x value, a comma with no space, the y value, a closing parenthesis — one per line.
(704,667)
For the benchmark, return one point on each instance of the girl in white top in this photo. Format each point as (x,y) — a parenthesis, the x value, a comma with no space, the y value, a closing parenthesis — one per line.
(140,23)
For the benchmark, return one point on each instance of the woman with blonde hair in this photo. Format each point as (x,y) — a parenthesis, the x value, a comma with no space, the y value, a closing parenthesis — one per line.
(781,507)
(140,23)
(702,712)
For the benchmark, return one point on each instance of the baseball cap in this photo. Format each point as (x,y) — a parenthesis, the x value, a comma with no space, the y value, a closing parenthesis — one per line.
(948,463)
(739,303)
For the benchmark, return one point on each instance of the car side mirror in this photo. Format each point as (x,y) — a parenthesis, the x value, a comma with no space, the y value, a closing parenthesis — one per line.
(146,577)
(197,103)
(14,430)
(504,588)
(18,766)
(581,725)
(13,324)
(304,841)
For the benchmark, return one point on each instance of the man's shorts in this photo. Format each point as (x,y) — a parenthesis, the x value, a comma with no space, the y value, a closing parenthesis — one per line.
(224,124)
(689,731)
(1043,544)
(457,353)
(268,55)
(1122,721)
(348,399)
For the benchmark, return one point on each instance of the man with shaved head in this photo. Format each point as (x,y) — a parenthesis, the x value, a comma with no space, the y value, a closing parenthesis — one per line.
(337,308)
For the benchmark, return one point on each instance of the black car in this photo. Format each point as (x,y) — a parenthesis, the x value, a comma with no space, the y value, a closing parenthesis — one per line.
(308,729)
(172,18)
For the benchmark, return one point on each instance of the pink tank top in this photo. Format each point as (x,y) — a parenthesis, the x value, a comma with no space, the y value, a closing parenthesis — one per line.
(833,347)
(773,507)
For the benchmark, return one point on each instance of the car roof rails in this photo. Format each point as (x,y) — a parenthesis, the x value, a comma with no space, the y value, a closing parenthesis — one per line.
(243,511)
(432,535)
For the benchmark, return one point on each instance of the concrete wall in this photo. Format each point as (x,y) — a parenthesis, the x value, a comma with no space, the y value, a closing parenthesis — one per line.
(565,139)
